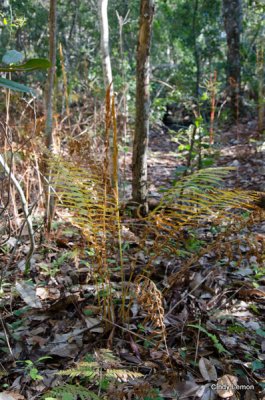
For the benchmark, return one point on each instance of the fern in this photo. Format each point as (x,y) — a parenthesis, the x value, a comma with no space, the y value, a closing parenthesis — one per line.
(70,392)
(103,366)
(193,200)
(100,369)
(92,205)
(89,370)
(121,375)
(199,195)
(217,344)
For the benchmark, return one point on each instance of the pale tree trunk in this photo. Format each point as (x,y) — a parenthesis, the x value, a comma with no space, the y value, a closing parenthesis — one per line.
(50,200)
(232,14)
(261,92)
(140,145)
(104,42)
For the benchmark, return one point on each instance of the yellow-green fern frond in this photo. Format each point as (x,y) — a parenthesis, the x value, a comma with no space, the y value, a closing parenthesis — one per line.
(197,197)
(89,370)
(122,375)
(70,392)
(83,193)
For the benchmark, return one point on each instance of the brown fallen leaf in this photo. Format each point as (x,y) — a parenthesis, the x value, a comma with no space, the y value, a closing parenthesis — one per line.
(187,389)
(226,386)
(28,293)
(207,369)
(250,293)
(11,396)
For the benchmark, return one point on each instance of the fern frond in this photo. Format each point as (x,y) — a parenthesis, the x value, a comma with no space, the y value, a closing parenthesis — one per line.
(151,301)
(85,369)
(106,358)
(83,193)
(71,392)
(197,197)
(206,182)
(122,375)
(104,367)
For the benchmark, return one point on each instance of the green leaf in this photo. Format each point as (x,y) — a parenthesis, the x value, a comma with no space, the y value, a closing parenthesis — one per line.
(44,358)
(207,162)
(184,147)
(256,365)
(198,121)
(12,57)
(30,65)
(204,96)
(104,384)
(17,87)
(34,374)
(35,63)
(88,312)
(28,362)
(21,311)
(260,332)
(181,169)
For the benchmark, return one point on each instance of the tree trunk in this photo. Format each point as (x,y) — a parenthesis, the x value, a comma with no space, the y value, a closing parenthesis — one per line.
(260,75)
(232,14)
(197,57)
(140,145)
(104,33)
(50,200)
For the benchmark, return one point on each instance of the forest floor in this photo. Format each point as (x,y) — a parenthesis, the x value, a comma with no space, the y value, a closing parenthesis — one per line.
(238,147)
(211,341)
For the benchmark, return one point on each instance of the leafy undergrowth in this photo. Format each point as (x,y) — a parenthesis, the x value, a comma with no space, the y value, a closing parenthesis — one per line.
(182,333)
(165,307)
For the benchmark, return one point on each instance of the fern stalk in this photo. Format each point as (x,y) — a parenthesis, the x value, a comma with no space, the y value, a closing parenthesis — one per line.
(117,203)
(108,303)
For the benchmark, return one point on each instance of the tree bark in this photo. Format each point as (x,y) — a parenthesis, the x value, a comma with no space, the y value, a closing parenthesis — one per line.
(197,57)
(140,145)
(232,15)
(261,92)
(50,200)
(104,43)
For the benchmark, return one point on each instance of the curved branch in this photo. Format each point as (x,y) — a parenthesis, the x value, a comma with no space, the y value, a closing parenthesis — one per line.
(24,207)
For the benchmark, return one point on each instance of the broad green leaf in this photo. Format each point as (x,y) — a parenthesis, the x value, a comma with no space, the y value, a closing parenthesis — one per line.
(207,162)
(34,374)
(257,365)
(17,87)
(12,57)
(204,96)
(181,169)
(260,332)
(30,65)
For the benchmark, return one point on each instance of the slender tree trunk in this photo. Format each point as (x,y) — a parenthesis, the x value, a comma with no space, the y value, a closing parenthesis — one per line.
(261,92)
(232,14)
(50,200)
(104,32)
(140,145)
(196,48)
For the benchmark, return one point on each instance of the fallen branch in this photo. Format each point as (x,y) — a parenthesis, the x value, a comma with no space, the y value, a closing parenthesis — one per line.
(25,211)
